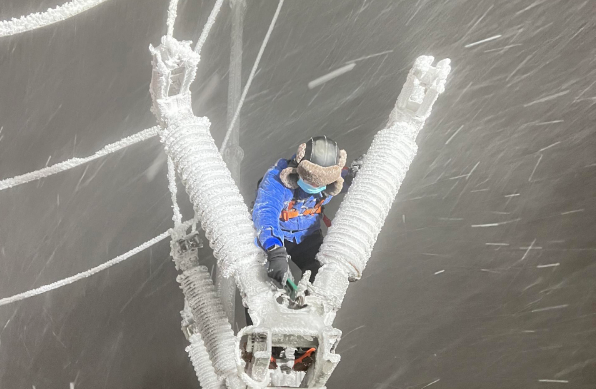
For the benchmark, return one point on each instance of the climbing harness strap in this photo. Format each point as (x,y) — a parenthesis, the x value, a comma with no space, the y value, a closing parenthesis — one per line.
(290,212)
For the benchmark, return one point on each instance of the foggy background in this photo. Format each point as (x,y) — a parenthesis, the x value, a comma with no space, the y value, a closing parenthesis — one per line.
(483,275)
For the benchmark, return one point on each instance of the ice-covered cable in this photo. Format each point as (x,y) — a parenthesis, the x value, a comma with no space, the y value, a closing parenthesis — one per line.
(207,26)
(172,13)
(42,19)
(90,272)
(74,162)
(250,77)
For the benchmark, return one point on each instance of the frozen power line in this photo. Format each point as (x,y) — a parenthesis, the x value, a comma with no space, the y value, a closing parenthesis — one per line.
(208,25)
(42,19)
(250,77)
(92,271)
(59,14)
(74,162)
(172,13)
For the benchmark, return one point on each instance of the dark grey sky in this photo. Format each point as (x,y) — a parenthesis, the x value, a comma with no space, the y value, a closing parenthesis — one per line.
(483,274)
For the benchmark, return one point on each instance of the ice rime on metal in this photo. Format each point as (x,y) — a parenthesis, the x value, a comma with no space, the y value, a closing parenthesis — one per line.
(218,337)
(349,242)
(215,198)
(202,364)
(42,19)
(224,216)
(184,250)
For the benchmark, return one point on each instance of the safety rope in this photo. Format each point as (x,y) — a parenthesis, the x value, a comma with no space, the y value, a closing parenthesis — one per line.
(42,19)
(74,162)
(250,78)
(92,271)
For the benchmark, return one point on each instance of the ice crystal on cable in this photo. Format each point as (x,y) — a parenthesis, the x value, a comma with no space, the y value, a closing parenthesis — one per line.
(42,19)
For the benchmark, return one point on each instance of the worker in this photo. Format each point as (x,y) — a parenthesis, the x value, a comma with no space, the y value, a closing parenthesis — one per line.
(289,205)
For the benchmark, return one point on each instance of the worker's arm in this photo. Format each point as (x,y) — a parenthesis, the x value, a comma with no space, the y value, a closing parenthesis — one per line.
(348,173)
(271,197)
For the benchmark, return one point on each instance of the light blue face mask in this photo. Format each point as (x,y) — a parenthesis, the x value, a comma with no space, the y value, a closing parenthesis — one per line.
(309,188)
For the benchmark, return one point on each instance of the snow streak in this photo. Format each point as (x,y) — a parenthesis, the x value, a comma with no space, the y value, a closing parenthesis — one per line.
(42,19)
(74,162)
(330,76)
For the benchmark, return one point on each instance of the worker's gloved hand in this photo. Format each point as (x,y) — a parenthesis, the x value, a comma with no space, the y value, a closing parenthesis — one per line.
(356,165)
(277,264)
(353,170)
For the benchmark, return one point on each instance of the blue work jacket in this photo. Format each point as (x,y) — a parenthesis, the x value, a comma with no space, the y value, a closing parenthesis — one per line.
(272,198)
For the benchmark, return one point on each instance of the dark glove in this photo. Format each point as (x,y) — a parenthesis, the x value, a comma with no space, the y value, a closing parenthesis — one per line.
(277,263)
(356,165)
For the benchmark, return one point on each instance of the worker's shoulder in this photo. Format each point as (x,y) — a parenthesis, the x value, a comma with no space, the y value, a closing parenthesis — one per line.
(280,165)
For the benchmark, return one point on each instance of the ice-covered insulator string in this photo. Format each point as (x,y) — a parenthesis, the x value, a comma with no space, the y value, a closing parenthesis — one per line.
(199,358)
(356,226)
(250,78)
(218,204)
(213,324)
(42,19)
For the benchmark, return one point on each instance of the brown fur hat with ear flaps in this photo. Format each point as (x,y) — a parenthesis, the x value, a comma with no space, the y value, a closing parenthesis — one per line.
(315,174)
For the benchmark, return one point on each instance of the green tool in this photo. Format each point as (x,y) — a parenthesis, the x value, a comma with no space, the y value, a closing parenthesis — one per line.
(292,288)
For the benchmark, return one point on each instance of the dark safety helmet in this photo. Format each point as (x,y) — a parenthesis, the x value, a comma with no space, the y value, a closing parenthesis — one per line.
(318,163)
(322,151)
